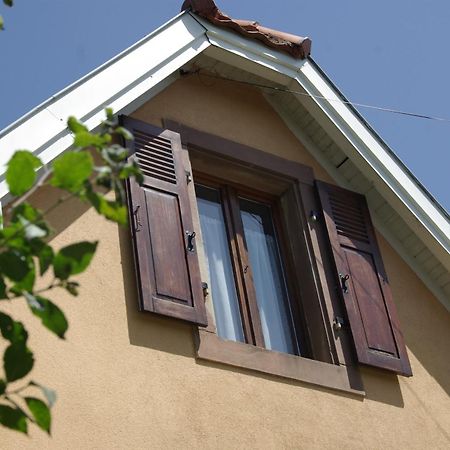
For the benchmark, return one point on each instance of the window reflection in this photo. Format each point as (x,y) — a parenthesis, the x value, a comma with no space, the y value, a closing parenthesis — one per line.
(268,277)
(223,289)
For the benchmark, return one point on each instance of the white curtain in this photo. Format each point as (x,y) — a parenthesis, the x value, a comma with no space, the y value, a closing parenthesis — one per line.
(269,284)
(223,289)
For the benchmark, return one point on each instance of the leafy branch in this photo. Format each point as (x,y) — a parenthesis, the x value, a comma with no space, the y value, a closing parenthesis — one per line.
(26,254)
(7,3)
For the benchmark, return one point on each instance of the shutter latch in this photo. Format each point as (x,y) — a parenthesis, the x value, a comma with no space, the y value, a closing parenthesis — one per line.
(190,241)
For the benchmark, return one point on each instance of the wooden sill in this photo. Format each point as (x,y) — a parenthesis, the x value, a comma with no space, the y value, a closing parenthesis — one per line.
(211,348)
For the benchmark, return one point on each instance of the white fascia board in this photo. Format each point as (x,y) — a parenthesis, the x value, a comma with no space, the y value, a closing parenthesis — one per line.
(362,140)
(366,145)
(137,74)
(251,50)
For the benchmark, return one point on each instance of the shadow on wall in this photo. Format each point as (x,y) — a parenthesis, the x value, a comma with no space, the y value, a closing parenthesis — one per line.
(382,386)
(145,329)
(424,321)
(275,379)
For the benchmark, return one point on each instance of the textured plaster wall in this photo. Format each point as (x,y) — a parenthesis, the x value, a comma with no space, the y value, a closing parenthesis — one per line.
(128,380)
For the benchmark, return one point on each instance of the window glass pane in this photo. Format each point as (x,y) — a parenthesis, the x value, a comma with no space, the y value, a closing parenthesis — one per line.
(223,289)
(271,292)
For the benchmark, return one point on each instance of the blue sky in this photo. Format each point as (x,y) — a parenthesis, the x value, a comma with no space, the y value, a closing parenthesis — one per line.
(386,53)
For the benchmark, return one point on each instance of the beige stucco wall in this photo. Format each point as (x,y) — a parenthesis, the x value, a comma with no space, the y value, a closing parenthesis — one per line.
(130,381)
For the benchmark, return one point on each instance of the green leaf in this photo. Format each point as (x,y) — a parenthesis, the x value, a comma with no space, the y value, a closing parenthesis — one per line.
(27,282)
(21,173)
(2,23)
(51,316)
(72,288)
(40,412)
(44,253)
(2,386)
(31,221)
(109,114)
(27,211)
(73,259)
(46,256)
(49,394)
(127,135)
(86,139)
(114,153)
(14,265)
(14,235)
(8,2)
(75,126)
(131,169)
(112,210)
(13,418)
(11,330)
(71,170)
(3,294)
(17,361)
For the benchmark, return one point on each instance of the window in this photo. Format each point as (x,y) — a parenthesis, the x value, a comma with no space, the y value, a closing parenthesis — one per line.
(246,246)
(294,264)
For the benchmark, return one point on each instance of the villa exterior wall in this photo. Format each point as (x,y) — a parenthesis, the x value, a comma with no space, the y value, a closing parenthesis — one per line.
(130,380)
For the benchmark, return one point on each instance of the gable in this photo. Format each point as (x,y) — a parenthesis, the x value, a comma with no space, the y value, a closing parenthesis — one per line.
(330,130)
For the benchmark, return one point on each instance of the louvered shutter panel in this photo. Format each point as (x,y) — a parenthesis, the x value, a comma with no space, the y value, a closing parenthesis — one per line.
(362,280)
(167,265)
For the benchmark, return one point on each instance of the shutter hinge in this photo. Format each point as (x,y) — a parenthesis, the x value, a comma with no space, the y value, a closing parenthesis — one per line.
(188,177)
(137,221)
(314,216)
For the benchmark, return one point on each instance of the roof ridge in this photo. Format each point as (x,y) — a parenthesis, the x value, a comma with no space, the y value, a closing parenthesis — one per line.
(297,46)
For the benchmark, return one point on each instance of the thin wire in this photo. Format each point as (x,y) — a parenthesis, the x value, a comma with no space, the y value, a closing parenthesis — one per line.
(346,102)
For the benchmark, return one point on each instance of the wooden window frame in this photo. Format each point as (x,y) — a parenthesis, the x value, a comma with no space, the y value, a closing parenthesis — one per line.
(230,193)
(333,365)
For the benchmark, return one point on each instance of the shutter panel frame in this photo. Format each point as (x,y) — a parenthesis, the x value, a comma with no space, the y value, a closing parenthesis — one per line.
(371,311)
(168,274)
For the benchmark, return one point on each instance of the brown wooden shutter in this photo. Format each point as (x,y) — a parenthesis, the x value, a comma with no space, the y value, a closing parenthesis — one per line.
(167,265)
(362,280)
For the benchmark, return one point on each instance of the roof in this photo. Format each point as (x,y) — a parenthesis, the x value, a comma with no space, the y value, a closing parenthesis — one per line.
(296,46)
(352,153)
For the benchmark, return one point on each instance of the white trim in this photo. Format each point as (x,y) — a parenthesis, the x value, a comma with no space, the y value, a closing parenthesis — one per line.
(133,77)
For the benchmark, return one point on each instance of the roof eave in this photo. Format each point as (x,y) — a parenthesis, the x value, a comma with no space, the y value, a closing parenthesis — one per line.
(353,130)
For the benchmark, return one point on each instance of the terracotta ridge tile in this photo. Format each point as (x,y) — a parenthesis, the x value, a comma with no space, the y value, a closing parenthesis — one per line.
(297,46)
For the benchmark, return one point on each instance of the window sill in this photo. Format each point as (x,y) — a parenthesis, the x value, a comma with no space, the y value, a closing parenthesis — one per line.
(211,348)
